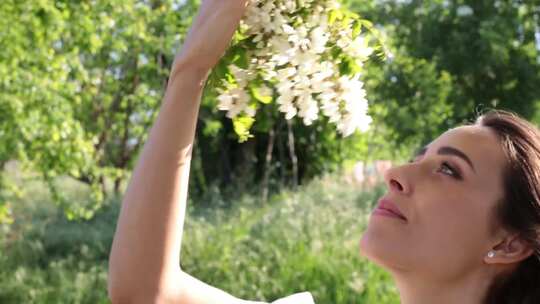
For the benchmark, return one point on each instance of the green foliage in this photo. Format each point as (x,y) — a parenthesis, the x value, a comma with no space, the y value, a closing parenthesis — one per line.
(306,240)
(299,241)
(242,124)
(265,99)
(411,100)
(446,66)
(480,54)
(80,84)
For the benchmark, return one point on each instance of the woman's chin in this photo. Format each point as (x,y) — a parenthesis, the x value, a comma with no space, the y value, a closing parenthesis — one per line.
(367,246)
(375,248)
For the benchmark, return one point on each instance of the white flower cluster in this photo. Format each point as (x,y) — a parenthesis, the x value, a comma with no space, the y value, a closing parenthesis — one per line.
(292,55)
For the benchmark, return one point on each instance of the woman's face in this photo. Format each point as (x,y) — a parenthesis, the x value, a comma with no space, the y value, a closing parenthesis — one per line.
(448,194)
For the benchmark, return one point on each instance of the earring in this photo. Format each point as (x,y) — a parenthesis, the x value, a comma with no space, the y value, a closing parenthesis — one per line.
(491,254)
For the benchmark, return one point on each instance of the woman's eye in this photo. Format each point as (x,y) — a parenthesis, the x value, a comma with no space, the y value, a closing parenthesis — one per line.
(449,170)
(445,167)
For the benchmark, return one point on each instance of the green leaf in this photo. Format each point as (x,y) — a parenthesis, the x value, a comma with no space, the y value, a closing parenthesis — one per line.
(368,24)
(241,58)
(239,36)
(257,95)
(230,78)
(356,28)
(345,21)
(242,125)
(212,128)
(334,15)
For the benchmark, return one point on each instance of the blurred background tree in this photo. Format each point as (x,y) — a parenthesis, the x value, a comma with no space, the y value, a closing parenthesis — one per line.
(81,83)
(452,60)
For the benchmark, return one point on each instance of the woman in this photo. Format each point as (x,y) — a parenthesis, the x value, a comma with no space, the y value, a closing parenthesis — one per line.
(470,217)
(465,212)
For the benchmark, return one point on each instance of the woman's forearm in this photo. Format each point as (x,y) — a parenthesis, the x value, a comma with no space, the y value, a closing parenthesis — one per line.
(144,262)
(146,247)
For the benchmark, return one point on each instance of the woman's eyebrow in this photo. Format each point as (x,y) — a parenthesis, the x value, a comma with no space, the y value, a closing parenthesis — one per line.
(446,150)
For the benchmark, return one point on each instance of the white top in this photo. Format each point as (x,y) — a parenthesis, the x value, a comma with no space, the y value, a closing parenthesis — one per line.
(297,298)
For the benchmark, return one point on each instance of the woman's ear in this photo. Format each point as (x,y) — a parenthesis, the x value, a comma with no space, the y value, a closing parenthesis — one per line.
(512,249)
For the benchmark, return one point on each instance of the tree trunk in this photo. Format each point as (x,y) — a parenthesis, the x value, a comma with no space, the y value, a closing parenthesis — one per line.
(292,154)
(117,184)
(267,165)
(245,166)
(226,168)
(198,170)
(84,178)
(103,186)
(281,154)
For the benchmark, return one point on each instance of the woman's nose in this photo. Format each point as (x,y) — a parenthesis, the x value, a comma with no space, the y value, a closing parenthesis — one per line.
(396,180)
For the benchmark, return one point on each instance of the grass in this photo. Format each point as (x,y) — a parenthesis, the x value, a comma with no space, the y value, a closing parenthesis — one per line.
(306,240)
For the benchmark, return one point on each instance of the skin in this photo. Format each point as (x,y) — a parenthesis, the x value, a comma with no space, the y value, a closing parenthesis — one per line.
(439,255)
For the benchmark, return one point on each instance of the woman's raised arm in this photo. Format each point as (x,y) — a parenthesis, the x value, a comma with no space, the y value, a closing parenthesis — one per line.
(144,260)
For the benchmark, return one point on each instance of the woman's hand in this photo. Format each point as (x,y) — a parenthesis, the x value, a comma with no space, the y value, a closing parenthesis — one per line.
(210,35)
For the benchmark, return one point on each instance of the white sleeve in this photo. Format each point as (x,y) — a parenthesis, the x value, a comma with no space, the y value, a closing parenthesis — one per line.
(297,298)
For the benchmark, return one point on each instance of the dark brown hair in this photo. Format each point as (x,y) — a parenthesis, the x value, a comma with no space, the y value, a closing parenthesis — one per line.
(519,209)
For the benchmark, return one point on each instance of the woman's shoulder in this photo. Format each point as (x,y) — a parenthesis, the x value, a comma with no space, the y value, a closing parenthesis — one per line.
(297,298)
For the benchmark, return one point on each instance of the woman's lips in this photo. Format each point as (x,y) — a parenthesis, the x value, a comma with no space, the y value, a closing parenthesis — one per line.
(387,208)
